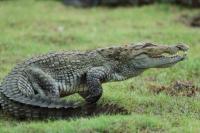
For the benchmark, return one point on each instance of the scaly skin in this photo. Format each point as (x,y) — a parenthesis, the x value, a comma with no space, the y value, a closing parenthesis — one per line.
(33,88)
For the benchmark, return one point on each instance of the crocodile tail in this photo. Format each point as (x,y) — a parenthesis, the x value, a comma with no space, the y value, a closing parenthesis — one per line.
(38,108)
(14,101)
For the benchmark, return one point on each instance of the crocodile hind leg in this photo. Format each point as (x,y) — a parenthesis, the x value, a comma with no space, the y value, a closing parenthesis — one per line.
(43,83)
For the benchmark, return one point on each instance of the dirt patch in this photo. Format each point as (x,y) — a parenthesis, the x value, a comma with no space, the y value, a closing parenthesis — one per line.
(108,108)
(177,88)
(151,130)
(192,21)
(195,22)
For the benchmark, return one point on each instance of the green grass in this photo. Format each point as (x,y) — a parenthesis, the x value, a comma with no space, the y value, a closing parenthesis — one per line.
(30,28)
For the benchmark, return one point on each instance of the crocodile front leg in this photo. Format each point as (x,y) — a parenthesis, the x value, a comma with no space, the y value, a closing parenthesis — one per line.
(94,78)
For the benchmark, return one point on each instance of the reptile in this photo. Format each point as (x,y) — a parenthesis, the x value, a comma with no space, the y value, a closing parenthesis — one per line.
(35,88)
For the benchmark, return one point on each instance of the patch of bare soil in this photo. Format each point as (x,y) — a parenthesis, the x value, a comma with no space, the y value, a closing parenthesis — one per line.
(192,21)
(177,88)
(195,22)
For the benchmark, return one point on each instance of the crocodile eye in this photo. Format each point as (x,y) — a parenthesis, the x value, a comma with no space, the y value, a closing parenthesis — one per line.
(137,47)
(148,45)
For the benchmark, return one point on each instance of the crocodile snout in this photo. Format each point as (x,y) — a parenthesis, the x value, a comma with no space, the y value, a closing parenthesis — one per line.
(177,48)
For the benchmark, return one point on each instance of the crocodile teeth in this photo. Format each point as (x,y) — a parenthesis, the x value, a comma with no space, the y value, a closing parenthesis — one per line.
(166,55)
(179,53)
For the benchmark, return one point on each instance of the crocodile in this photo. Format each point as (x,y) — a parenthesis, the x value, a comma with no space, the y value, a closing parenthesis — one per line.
(35,88)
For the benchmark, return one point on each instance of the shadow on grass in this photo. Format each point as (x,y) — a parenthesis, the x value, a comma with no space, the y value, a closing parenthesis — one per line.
(107,108)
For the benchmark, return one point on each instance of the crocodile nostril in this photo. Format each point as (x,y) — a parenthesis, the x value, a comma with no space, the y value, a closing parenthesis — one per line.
(182,47)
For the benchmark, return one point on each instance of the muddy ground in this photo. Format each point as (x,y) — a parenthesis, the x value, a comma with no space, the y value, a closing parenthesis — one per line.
(176,88)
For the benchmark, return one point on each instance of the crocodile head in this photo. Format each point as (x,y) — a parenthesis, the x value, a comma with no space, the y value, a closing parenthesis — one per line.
(131,60)
(146,55)
(157,56)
